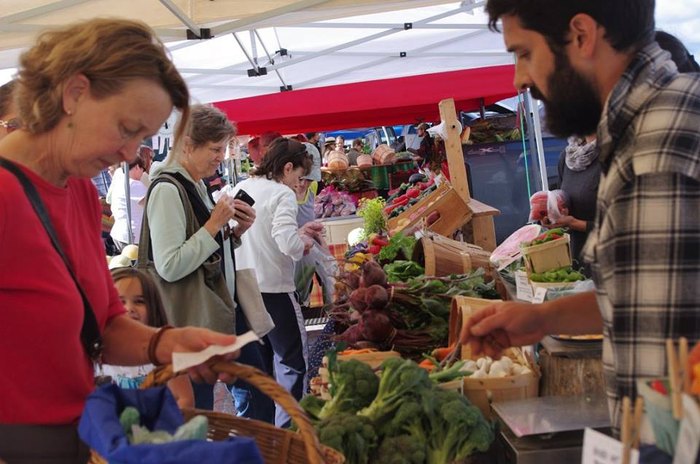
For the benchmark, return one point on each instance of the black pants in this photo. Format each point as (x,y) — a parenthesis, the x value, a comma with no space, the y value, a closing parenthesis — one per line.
(283,352)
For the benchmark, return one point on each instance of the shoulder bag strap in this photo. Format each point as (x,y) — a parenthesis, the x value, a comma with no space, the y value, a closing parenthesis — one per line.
(89,332)
(191,224)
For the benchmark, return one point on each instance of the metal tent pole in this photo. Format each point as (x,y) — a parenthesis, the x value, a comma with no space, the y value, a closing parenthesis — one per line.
(536,136)
(127,195)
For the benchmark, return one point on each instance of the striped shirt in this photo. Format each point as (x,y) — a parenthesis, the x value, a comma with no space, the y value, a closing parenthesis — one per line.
(644,249)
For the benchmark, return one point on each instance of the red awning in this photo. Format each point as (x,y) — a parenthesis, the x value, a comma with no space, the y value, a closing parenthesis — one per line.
(381,102)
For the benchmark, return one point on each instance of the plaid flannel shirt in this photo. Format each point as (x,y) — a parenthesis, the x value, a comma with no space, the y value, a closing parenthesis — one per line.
(644,248)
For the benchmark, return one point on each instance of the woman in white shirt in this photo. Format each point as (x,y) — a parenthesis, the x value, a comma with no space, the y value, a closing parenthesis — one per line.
(272,246)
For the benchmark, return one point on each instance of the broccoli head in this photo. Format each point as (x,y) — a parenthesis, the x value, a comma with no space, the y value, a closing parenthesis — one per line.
(401,449)
(350,434)
(355,387)
(457,428)
(312,405)
(401,378)
(408,420)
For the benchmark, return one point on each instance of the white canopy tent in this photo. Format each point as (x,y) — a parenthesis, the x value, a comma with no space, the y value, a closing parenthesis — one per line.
(263,47)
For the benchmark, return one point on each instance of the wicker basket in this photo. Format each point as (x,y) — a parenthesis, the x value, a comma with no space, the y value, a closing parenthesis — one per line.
(276,445)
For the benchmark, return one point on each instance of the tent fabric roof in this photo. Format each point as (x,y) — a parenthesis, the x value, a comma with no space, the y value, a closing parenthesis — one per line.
(300,44)
(348,63)
(371,103)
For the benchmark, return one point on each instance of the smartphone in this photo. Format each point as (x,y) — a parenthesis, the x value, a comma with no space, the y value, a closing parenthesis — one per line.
(243,195)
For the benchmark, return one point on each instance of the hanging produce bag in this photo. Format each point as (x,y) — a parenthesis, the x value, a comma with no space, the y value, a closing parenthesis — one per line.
(100,428)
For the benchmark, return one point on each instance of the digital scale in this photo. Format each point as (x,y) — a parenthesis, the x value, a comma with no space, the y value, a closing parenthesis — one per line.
(547,429)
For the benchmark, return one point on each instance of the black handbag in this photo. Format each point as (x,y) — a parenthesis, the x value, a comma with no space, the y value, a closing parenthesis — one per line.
(90,332)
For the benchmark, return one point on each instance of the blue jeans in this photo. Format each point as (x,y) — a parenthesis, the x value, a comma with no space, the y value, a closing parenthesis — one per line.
(249,401)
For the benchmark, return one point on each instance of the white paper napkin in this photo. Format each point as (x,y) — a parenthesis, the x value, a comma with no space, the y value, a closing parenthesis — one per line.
(182,361)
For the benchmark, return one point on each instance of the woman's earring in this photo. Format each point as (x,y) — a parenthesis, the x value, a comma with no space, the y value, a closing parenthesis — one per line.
(70,121)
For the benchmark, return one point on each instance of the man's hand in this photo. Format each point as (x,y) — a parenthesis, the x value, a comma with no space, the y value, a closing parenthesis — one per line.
(500,326)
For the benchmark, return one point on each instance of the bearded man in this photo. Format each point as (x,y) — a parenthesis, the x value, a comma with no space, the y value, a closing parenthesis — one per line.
(596,67)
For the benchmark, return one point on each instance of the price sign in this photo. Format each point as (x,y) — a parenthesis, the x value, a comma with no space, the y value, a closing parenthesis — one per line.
(540,294)
(599,448)
(523,287)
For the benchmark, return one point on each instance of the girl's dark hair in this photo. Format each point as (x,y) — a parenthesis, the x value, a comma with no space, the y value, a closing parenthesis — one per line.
(685,62)
(280,152)
(151,294)
(629,24)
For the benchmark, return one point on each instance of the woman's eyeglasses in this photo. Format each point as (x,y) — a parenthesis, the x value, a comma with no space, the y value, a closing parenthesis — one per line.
(11,124)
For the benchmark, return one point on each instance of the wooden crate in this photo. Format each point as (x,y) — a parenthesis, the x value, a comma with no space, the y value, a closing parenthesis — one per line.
(482,392)
(453,210)
(374,359)
(547,256)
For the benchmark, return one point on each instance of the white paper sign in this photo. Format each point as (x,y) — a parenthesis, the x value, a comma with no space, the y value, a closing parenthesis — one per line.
(182,361)
(522,286)
(688,443)
(599,448)
(540,294)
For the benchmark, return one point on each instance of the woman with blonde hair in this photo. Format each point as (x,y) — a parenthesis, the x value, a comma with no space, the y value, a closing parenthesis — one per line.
(87,94)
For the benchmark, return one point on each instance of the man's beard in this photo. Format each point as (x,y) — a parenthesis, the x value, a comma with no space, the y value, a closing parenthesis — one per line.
(573,106)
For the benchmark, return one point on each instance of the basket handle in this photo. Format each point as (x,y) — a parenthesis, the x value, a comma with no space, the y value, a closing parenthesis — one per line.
(267,385)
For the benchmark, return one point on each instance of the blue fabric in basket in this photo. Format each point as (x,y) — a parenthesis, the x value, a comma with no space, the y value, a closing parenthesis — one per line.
(100,429)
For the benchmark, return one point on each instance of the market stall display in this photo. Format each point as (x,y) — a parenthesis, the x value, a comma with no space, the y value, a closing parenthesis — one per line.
(401,416)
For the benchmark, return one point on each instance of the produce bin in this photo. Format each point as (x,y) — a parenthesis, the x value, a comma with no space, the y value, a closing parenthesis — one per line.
(547,256)
(483,391)
(448,209)
(441,256)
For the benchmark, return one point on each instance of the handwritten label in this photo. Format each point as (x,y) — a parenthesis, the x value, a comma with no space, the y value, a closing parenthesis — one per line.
(599,448)
(688,443)
(540,294)
(522,286)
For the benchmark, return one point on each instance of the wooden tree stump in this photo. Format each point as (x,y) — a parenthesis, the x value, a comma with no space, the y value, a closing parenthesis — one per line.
(568,371)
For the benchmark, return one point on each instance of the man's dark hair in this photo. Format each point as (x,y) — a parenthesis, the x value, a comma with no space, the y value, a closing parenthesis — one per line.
(629,24)
(310,135)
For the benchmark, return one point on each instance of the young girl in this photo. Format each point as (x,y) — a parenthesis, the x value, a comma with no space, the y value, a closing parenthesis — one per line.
(140,296)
